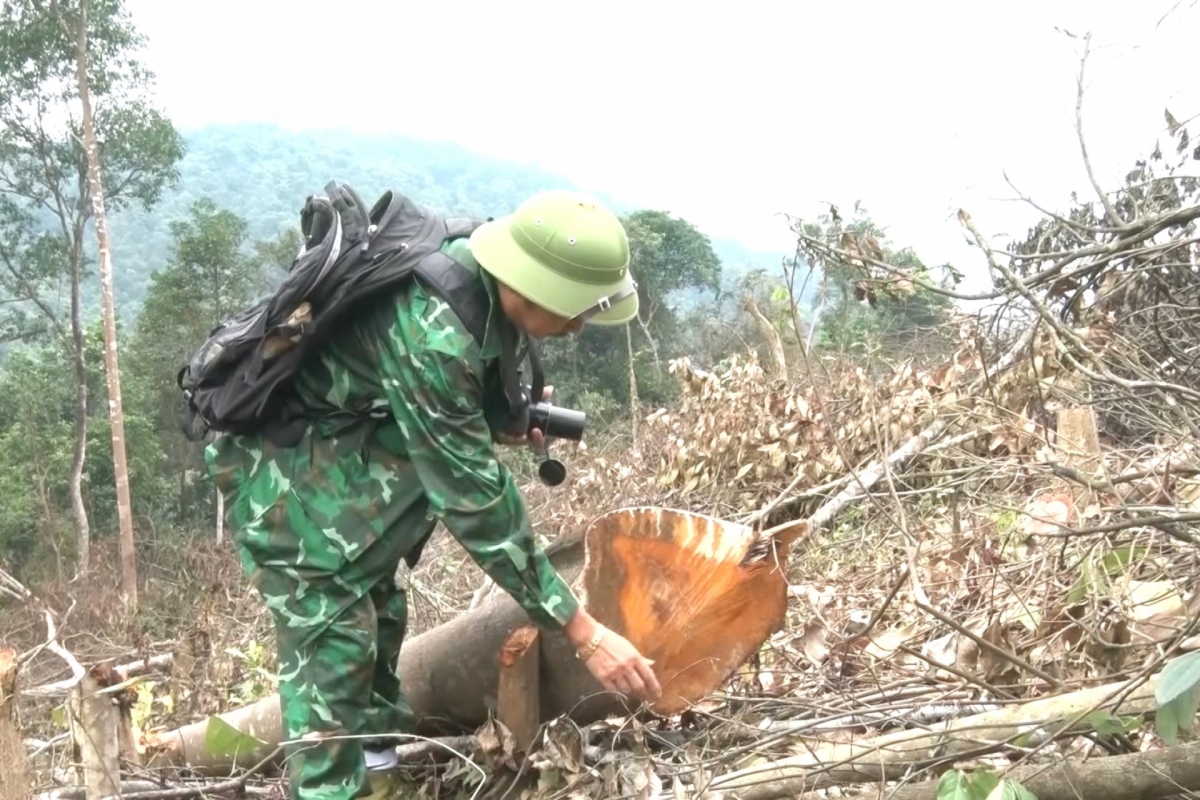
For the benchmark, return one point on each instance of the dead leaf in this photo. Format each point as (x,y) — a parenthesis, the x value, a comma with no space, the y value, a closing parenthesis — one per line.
(1047,512)
(639,780)
(561,748)
(993,665)
(885,645)
(1187,494)
(941,650)
(1155,608)
(496,743)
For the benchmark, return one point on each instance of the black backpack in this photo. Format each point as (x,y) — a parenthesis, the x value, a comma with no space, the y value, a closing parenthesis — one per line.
(238,380)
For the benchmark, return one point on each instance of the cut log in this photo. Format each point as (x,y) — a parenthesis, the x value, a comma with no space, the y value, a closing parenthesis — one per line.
(14,766)
(894,755)
(185,746)
(1131,776)
(517,704)
(672,582)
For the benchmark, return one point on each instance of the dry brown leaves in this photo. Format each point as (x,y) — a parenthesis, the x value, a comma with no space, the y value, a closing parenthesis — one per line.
(737,438)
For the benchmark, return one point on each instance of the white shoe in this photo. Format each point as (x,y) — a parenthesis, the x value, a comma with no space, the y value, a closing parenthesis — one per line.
(380,760)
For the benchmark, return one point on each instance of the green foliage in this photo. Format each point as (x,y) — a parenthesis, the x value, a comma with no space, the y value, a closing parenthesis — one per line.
(980,785)
(222,740)
(213,271)
(667,256)
(1109,725)
(1177,697)
(44,205)
(1097,569)
(864,310)
(35,454)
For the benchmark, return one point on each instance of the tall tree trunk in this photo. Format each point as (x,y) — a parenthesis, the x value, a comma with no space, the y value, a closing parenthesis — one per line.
(770,334)
(633,393)
(645,324)
(220,516)
(80,411)
(115,411)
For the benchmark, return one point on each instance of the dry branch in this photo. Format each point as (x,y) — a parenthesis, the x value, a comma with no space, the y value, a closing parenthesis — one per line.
(892,756)
(124,673)
(1132,776)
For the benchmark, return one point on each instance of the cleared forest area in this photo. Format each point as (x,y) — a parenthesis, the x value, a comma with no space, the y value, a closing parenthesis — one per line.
(970,574)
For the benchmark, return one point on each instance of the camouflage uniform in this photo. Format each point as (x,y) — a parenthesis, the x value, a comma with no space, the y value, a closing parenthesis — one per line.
(321,526)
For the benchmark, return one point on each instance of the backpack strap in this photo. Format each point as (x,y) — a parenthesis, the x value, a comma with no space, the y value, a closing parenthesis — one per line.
(352,213)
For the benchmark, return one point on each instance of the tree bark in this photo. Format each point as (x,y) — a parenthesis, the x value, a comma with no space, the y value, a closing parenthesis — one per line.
(94,723)
(633,392)
(112,369)
(80,411)
(14,766)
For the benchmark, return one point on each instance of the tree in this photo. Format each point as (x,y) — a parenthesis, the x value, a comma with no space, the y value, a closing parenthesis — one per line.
(214,271)
(44,183)
(869,300)
(669,257)
(78,26)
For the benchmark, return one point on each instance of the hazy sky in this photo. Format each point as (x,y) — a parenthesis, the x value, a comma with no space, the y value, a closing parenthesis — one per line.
(729,116)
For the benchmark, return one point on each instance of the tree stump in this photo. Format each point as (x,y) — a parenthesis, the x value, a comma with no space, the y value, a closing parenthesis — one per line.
(14,765)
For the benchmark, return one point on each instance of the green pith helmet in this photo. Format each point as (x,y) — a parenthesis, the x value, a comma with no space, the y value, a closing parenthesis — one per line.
(564,252)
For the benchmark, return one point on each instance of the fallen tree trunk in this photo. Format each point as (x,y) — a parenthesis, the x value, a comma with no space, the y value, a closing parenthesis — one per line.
(894,755)
(672,582)
(1130,776)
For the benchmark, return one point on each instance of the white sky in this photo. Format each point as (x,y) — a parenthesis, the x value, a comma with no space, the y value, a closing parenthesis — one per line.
(727,117)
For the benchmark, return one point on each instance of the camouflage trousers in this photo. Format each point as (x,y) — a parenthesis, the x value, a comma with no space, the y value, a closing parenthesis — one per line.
(321,528)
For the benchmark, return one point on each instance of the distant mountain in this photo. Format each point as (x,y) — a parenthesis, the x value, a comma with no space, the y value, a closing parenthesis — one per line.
(264,172)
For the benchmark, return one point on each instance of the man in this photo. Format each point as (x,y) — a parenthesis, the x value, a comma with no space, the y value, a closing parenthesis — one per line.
(398,439)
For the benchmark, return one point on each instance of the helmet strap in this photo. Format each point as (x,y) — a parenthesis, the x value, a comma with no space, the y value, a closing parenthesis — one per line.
(606,302)
(510,375)
(535,371)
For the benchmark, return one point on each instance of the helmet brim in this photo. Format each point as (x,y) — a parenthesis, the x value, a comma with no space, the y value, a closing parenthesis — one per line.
(498,253)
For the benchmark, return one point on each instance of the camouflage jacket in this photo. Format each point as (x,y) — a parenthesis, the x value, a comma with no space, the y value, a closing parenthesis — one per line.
(412,364)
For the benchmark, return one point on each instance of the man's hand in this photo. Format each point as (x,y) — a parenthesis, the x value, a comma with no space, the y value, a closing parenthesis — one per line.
(615,662)
(536,439)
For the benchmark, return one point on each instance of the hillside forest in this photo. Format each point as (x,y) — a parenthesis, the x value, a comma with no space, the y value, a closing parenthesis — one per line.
(981,517)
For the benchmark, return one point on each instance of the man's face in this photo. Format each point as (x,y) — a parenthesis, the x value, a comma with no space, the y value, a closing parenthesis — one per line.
(533,319)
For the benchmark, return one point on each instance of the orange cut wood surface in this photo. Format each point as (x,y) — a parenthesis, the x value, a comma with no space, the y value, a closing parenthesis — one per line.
(516,644)
(672,583)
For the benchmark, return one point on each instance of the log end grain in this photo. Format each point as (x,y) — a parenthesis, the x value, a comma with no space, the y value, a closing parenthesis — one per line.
(674,584)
